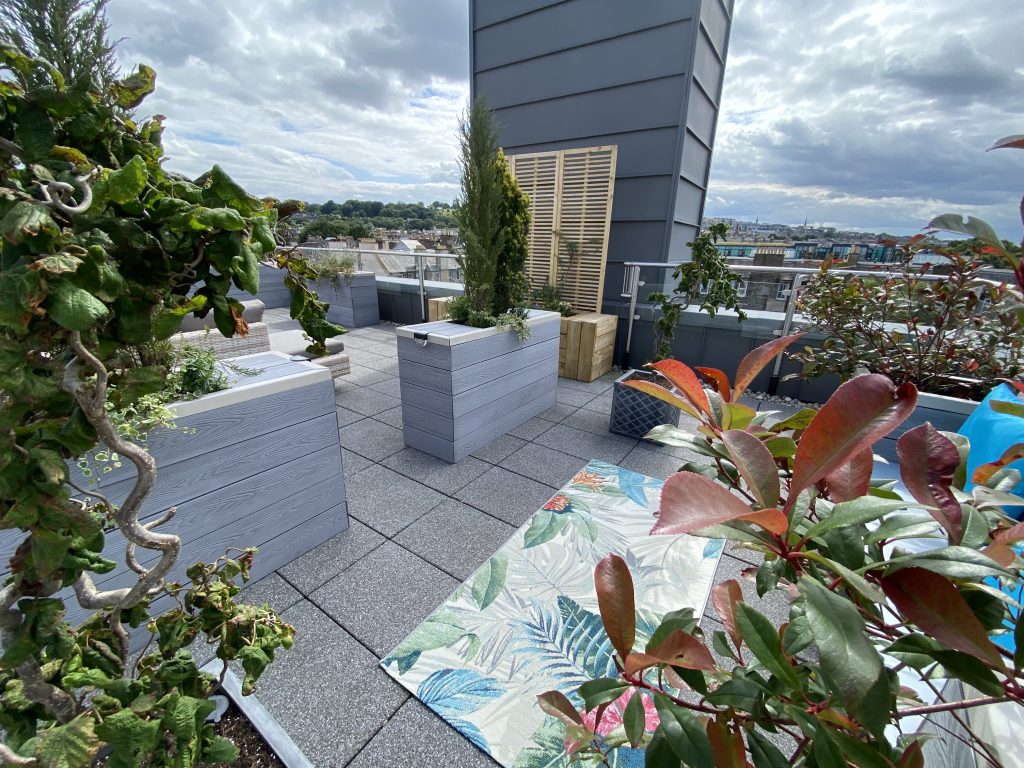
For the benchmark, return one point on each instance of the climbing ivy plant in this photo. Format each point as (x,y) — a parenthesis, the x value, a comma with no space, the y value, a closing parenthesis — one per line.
(103,248)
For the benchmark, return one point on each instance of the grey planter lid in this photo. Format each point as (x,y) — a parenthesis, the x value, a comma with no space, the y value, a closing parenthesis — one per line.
(449,334)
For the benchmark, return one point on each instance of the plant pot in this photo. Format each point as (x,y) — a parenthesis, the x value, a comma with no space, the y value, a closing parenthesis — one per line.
(273,292)
(586,345)
(946,414)
(285,491)
(635,413)
(352,300)
(463,387)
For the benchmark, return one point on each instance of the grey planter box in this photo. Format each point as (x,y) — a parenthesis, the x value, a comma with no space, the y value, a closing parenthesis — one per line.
(273,292)
(463,387)
(635,413)
(353,300)
(262,468)
(946,414)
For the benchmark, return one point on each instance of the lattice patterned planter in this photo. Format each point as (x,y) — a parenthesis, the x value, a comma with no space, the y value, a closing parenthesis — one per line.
(635,413)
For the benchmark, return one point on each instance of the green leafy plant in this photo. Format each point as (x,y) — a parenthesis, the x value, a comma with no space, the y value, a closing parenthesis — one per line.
(548,298)
(105,251)
(864,612)
(951,336)
(494,220)
(328,266)
(706,275)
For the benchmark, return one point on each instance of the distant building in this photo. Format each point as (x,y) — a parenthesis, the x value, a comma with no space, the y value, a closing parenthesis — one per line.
(408,245)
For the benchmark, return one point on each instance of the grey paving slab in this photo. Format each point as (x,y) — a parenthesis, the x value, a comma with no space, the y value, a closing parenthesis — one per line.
(372,439)
(544,464)
(353,462)
(272,590)
(774,604)
(377,362)
(392,387)
(341,386)
(455,537)
(586,445)
(506,495)
(499,449)
(328,692)
(381,346)
(573,397)
(384,596)
(652,463)
(602,403)
(321,564)
(366,401)
(391,417)
(416,736)
(434,472)
(559,412)
(595,387)
(345,417)
(528,430)
(387,501)
(590,421)
(362,376)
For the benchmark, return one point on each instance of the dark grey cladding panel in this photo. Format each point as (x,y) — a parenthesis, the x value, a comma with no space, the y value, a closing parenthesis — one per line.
(681,235)
(613,110)
(701,115)
(567,25)
(689,199)
(642,198)
(603,64)
(647,152)
(486,12)
(634,241)
(696,160)
(716,19)
(707,67)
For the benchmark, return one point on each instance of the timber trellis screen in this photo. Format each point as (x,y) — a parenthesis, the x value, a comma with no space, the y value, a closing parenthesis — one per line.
(571,193)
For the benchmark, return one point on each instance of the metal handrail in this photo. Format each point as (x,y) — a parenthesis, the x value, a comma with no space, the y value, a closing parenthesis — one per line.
(631,284)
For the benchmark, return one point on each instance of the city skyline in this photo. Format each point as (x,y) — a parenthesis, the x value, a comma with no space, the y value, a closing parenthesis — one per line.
(864,124)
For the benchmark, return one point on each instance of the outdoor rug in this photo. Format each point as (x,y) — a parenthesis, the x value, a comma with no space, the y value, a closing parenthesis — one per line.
(527,621)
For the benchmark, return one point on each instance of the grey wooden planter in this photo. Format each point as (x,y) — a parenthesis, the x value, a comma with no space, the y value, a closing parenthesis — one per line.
(273,292)
(255,465)
(946,414)
(635,413)
(463,387)
(353,300)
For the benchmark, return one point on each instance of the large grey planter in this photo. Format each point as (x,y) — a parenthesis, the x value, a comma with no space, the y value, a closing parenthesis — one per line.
(635,413)
(353,300)
(946,414)
(255,465)
(273,292)
(463,387)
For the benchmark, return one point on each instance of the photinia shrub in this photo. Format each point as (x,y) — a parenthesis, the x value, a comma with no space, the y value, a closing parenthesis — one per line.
(865,612)
(103,251)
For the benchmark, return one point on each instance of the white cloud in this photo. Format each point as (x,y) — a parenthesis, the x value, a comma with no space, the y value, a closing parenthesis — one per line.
(859,114)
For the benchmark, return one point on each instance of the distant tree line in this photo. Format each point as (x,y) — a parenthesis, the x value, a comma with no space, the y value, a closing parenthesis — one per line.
(358,218)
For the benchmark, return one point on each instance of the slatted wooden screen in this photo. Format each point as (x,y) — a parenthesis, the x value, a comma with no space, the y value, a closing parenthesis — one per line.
(571,192)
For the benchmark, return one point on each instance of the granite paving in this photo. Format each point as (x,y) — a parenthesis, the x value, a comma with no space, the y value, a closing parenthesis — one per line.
(418,527)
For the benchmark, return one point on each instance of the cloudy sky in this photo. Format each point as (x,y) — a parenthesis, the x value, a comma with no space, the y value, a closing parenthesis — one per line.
(870,115)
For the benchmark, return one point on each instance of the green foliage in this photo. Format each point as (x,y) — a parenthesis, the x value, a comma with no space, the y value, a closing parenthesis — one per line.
(858,605)
(706,275)
(510,284)
(103,253)
(939,334)
(327,266)
(69,34)
(548,298)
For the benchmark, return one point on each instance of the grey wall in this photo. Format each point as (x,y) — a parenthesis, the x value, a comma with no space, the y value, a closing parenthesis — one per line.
(646,76)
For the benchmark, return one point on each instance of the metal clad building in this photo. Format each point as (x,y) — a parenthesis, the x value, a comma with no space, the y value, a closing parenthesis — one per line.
(645,75)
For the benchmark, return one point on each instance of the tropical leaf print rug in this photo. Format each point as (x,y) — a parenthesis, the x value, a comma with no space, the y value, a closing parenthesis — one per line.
(527,621)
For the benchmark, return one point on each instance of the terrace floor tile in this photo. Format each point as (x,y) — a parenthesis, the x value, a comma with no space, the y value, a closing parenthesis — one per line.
(372,439)
(543,464)
(506,495)
(435,472)
(586,445)
(499,449)
(321,564)
(387,501)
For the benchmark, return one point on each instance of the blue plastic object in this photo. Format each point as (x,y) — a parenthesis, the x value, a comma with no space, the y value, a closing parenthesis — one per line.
(991,433)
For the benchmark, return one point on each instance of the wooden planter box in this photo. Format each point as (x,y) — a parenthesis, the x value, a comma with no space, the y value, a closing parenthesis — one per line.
(586,345)
(255,465)
(946,414)
(273,292)
(463,387)
(353,300)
